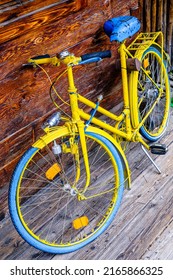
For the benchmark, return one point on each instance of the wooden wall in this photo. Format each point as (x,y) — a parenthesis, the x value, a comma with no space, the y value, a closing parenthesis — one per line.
(157,15)
(33,27)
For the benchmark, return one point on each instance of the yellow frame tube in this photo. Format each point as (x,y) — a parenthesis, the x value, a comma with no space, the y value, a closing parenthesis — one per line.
(126,100)
(104,125)
(100,109)
(124,75)
(76,118)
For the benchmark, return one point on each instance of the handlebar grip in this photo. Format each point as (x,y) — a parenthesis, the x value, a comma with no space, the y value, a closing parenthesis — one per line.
(40,57)
(102,54)
(90,60)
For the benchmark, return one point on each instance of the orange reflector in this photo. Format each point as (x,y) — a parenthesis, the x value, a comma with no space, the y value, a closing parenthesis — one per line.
(146,63)
(80,222)
(53,171)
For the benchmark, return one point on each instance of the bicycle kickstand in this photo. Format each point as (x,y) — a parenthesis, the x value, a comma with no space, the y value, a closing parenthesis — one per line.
(152,161)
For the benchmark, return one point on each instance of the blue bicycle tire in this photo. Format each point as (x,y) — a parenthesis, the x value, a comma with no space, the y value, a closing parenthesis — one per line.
(154,127)
(16,219)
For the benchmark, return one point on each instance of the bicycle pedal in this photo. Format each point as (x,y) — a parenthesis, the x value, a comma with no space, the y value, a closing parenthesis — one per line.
(158,149)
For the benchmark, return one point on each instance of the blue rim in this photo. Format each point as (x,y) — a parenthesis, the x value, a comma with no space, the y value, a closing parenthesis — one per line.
(143,131)
(14,213)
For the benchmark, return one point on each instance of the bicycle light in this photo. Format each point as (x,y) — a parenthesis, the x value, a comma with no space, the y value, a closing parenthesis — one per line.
(52,121)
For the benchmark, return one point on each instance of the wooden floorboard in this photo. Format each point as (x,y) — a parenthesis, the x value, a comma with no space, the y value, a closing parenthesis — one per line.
(162,247)
(143,227)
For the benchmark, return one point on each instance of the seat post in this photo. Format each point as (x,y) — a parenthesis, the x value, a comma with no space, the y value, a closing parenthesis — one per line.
(124,75)
(125,88)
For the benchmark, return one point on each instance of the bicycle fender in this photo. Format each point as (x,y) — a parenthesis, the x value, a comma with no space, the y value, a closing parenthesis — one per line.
(139,54)
(118,147)
(166,57)
(48,137)
(64,130)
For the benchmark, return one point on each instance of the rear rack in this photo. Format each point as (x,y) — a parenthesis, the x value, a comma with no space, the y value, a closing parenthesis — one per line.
(143,41)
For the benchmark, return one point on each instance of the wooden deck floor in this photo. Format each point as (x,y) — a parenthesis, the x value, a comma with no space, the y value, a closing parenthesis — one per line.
(143,227)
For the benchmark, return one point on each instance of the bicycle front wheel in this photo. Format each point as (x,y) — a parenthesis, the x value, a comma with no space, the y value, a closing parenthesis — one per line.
(46,200)
(150,101)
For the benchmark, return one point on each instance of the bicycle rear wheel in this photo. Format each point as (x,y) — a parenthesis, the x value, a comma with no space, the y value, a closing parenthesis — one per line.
(150,89)
(48,211)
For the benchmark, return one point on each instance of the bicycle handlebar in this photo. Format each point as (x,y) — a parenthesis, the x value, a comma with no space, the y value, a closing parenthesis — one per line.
(102,54)
(69,59)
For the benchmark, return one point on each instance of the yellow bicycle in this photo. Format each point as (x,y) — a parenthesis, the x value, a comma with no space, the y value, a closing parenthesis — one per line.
(67,188)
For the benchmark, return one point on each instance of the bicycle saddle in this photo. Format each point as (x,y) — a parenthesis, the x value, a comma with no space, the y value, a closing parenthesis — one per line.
(121,28)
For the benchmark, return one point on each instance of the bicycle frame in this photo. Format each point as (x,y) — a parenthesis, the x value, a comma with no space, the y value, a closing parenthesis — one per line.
(129,133)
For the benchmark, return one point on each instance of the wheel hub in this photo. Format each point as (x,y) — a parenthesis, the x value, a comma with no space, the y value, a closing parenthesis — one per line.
(67,188)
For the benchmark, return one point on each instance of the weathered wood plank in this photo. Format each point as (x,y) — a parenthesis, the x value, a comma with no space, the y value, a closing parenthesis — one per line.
(161,248)
(14,11)
(155,217)
(16,99)
(36,16)
(148,15)
(160,15)
(165,23)
(153,15)
(169,40)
